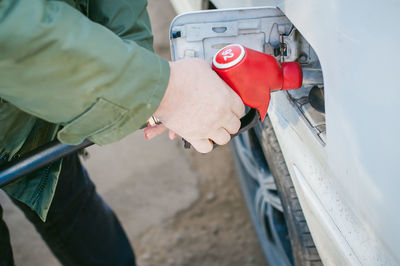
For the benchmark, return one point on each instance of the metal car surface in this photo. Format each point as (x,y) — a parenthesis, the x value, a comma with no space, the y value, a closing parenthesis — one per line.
(348,188)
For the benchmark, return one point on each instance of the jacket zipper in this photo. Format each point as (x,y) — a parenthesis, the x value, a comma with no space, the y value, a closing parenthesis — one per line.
(42,184)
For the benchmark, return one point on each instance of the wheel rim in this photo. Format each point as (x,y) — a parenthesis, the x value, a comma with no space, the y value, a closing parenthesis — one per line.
(263,200)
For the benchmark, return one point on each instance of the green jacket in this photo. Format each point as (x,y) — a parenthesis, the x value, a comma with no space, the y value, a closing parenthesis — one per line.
(85,65)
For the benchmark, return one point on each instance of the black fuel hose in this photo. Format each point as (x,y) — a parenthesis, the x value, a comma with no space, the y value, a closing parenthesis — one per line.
(36,159)
(52,151)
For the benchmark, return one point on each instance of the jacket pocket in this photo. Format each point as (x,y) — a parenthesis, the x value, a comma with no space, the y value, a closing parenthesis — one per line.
(93,124)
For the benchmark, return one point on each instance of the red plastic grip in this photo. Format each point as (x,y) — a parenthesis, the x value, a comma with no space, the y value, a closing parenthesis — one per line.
(254,75)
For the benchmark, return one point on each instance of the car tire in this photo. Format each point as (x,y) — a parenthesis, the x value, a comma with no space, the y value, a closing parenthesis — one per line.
(303,247)
(271,198)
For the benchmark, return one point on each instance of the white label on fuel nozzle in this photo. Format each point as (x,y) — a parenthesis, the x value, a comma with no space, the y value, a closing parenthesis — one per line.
(228,56)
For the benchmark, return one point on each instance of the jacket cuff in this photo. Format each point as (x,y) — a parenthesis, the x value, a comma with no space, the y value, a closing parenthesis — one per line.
(106,121)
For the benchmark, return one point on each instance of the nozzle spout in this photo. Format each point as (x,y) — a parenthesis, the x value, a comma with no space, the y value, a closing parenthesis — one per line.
(312,76)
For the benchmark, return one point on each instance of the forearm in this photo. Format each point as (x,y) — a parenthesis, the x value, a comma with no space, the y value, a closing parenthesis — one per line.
(60,66)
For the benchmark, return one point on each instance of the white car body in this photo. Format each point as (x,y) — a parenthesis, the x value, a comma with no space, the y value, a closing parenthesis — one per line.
(348,188)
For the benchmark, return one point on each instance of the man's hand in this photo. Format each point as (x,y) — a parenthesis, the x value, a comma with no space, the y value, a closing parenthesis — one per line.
(198,106)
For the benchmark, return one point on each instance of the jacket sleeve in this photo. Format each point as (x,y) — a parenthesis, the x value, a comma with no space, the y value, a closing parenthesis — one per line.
(58,65)
(126,18)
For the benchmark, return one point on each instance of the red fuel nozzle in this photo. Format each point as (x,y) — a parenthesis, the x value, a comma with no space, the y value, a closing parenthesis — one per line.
(254,75)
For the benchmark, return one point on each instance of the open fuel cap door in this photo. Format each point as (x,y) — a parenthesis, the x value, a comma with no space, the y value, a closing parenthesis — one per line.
(202,34)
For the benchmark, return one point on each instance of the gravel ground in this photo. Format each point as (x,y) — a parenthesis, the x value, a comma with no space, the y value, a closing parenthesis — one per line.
(177,206)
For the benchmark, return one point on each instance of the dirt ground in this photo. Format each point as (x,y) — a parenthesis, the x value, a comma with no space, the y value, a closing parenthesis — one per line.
(214,230)
(178,207)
